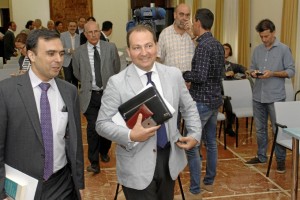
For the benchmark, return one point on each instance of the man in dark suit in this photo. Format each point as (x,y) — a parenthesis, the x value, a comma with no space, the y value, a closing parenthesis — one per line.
(80,25)
(106,30)
(9,41)
(93,63)
(51,154)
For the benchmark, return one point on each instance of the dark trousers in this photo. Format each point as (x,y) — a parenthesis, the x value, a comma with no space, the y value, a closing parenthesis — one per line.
(162,185)
(96,143)
(69,76)
(59,186)
(230,117)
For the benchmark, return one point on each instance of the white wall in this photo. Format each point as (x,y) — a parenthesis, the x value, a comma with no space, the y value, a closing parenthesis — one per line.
(22,11)
(271,9)
(115,11)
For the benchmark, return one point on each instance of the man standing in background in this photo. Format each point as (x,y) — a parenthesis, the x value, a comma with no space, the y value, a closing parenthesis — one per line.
(206,84)
(272,62)
(80,25)
(9,41)
(176,48)
(106,30)
(70,41)
(93,64)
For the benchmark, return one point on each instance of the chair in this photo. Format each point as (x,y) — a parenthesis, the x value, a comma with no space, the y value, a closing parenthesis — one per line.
(287,115)
(289,90)
(240,94)
(221,118)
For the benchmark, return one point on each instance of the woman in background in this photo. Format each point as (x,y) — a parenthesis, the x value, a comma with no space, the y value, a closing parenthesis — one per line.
(20,44)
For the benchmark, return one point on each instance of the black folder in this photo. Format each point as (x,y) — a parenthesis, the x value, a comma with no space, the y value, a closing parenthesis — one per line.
(152,99)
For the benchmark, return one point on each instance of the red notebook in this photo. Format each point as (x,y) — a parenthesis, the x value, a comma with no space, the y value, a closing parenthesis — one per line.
(145,112)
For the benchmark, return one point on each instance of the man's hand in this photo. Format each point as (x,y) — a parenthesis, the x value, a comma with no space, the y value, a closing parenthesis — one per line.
(141,134)
(81,193)
(188,28)
(186,143)
(267,74)
(229,73)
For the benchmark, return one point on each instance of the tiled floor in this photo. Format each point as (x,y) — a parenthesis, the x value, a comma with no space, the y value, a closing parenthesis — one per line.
(234,180)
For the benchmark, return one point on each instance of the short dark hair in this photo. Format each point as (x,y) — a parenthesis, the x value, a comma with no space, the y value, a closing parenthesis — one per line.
(91,18)
(140,28)
(229,46)
(264,25)
(57,23)
(29,23)
(107,25)
(206,17)
(35,35)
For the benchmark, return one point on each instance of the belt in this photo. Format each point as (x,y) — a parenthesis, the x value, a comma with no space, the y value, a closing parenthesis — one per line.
(168,145)
(97,91)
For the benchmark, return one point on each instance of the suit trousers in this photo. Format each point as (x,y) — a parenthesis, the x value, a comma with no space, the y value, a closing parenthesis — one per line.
(69,76)
(162,185)
(59,186)
(96,143)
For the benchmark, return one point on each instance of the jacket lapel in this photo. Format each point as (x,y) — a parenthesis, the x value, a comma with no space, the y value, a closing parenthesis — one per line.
(133,79)
(165,82)
(25,90)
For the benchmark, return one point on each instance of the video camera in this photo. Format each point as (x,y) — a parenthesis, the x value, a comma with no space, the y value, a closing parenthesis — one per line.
(146,16)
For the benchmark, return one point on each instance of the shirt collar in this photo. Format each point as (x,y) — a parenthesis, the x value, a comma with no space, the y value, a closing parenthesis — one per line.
(142,72)
(103,34)
(92,46)
(35,81)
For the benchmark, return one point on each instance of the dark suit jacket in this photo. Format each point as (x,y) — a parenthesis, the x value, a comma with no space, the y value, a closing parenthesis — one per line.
(102,37)
(21,144)
(83,39)
(9,44)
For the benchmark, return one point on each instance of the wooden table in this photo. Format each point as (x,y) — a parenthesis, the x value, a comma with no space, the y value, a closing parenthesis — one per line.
(295,134)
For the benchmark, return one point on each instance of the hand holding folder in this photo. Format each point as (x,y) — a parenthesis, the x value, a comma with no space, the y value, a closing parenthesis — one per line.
(150,104)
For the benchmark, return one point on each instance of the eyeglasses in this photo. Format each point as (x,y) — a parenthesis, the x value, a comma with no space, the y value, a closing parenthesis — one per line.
(95,32)
(20,49)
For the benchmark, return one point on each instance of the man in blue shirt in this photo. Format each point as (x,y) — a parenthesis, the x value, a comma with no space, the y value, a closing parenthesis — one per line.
(271,63)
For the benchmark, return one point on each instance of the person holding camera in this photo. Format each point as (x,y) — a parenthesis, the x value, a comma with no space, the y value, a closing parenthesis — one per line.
(271,63)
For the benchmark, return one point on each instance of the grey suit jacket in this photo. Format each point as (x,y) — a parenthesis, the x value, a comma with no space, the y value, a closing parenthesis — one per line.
(21,144)
(110,65)
(136,165)
(65,38)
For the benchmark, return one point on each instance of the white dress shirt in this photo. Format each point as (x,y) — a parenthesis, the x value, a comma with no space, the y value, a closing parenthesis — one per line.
(59,118)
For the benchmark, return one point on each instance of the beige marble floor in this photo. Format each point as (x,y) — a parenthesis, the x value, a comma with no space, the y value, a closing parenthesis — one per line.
(234,180)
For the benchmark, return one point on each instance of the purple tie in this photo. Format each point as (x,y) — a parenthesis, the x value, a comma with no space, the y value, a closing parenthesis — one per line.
(162,138)
(47,133)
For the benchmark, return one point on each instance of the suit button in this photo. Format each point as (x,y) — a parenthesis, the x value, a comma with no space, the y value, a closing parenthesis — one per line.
(154,150)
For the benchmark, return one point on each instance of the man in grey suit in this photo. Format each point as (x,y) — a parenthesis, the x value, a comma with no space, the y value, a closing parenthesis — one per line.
(146,169)
(70,41)
(94,70)
(51,154)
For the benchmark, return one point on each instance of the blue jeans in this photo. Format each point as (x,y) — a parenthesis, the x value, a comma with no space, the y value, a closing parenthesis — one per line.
(208,118)
(194,163)
(260,114)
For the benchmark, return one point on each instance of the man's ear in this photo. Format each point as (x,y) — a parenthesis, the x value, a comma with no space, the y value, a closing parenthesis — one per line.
(31,55)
